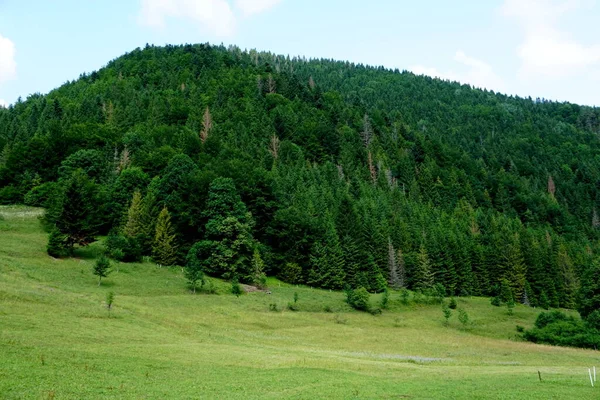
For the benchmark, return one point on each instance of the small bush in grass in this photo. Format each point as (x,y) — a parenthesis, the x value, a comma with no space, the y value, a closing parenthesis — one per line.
(110,300)
(236,289)
(404,296)
(463,317)
(293,307)
(328,309)
(359,299)
(447,314)
(510,307)
(375,311)
(452,304)
(495,301)
(273,307)
(520,329)
(385,299)
(209,287)
(295,297)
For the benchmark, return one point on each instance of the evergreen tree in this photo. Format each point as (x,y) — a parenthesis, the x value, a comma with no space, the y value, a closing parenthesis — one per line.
(259,279)
(422,275)
(134,224)
(393,277)
(57,244)
(76,214)
(164,248)
(327,261)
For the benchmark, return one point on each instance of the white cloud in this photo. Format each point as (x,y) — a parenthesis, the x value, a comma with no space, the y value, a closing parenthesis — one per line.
(8,66)
(251,7)
(217,16)
(546,50)
(475,72)
(3,103)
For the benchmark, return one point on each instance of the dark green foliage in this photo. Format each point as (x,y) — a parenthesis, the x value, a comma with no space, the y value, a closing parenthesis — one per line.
(77,213)
(452,304)
(57,244)
(589,294)
(447,314)
(495,301)
(102,268)
(345,182)
(236,288)
(556,328)
(123,248)
(358,299)
(385,299)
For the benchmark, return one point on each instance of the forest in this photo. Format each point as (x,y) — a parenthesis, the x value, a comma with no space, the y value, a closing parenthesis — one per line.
(240,164)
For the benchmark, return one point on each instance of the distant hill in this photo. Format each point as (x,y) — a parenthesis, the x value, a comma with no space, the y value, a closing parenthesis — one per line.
(352,175)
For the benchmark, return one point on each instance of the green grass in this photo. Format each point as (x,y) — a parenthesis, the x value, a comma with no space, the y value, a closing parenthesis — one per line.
(58,341)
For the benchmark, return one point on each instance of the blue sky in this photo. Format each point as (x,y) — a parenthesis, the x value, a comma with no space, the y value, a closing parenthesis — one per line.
(537,48)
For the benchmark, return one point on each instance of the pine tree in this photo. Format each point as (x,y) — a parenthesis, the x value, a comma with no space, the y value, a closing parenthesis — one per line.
(515,268)
(258,270)
(134,225)
(422,275)
(393,278)
(327,261)
(164,249)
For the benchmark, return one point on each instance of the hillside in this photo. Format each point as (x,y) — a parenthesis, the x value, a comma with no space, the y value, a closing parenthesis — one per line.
(335,174)
(58,340)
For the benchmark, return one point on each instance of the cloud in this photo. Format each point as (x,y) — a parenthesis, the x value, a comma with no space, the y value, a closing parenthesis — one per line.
(217,16)
(545,49)
(474,71)
(8,66)
(251,7)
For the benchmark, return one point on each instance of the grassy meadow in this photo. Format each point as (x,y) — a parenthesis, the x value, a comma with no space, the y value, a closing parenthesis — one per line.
(58,341)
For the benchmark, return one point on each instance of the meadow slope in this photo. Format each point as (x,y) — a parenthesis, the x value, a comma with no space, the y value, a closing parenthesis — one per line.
(57,340)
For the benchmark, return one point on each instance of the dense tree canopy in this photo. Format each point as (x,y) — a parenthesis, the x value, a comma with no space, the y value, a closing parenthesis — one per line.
(330,169)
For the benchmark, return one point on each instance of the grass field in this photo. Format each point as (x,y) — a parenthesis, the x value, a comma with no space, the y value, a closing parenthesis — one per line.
(57,340)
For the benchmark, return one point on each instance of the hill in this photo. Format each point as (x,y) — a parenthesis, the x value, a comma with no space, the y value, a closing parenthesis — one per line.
(336,174)
(58,340)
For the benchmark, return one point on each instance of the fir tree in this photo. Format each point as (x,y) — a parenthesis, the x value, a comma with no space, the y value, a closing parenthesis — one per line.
(422,276)
(259,279)
(393,277)
(134,224)
(164,248)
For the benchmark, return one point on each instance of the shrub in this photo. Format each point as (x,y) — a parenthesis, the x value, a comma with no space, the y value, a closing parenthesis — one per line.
(293,307)
(404,296)
(123,248)
(495,301)
(236,289)
(41,195)
(452,304)
(273,307)
(557,328)
(328,309)
(447,314)
(359,299)
(463,317)
(385,299)
(291,273)
(520,329)
(57,244)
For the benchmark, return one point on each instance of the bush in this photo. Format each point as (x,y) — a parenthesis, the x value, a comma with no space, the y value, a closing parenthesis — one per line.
(57,244)
(520,329)
(463,317)
(452,304)
(273,307)
(123,248)
(495,301)
(359,299)
(293,307)
(291,273)
(328,309)
(404,296)
(40,196)
(557,328)
(385,299)
(236,289)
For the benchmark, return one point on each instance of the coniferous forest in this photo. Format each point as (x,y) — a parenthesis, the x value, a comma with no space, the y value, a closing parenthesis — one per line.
(325,173)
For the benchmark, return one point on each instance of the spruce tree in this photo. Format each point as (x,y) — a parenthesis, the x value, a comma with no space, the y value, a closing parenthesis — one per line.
(422,276)
(164,248)
(134,224)
(259,279)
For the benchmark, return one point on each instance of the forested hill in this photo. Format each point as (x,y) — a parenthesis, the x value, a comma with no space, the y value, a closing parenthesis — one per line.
(330,173)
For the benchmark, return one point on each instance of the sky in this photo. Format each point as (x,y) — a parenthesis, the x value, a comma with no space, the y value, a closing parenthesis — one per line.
(539,48)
